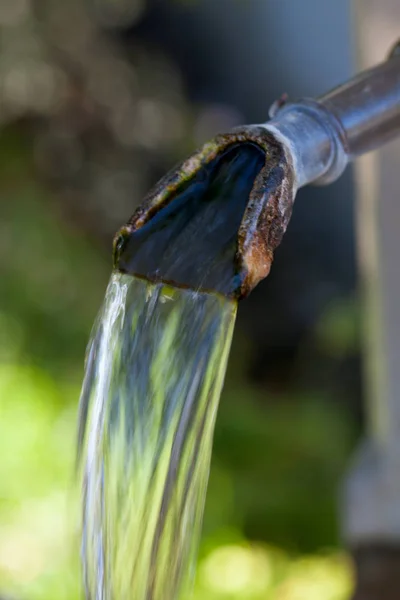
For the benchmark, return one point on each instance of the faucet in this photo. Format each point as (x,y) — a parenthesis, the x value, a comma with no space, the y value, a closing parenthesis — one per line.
(308,141)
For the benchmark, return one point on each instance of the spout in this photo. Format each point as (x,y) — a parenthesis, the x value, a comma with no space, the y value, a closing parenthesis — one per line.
(214,222)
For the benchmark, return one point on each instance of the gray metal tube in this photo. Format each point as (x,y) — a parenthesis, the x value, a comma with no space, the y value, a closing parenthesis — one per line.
(368,107)
(313,139)
(322,135)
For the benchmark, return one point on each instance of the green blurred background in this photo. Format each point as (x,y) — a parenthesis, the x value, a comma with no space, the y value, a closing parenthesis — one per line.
(97,100)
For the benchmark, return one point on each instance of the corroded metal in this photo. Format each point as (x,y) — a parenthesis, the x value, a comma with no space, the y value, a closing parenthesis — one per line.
(268,209)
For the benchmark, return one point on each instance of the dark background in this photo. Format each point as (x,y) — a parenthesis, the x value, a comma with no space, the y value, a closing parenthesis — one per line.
(97,100)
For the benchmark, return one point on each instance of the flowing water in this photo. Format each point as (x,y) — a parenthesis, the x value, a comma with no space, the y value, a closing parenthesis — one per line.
(154,372)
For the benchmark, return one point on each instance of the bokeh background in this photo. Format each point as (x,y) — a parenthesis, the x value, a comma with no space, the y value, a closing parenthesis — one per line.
(98,98)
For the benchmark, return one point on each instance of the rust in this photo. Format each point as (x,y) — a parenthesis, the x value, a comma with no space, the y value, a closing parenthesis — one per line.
(267,213)
(266,217)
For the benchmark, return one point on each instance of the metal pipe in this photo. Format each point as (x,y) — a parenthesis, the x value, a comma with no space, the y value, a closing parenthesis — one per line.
(368,107)
(324,134)
(308,141)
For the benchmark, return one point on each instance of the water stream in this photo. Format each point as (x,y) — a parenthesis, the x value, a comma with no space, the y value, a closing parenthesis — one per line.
(154,372)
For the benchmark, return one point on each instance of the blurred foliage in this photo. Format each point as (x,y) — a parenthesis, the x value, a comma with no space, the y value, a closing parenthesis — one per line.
(48,269)
(276,465)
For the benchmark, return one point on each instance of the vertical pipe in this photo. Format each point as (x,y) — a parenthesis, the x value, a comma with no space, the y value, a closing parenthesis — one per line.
(371,509)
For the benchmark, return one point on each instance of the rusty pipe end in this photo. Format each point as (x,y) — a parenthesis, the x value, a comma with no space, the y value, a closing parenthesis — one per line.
(267,201)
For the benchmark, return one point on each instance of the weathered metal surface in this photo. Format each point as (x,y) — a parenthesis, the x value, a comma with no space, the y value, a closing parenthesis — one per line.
(268,209)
